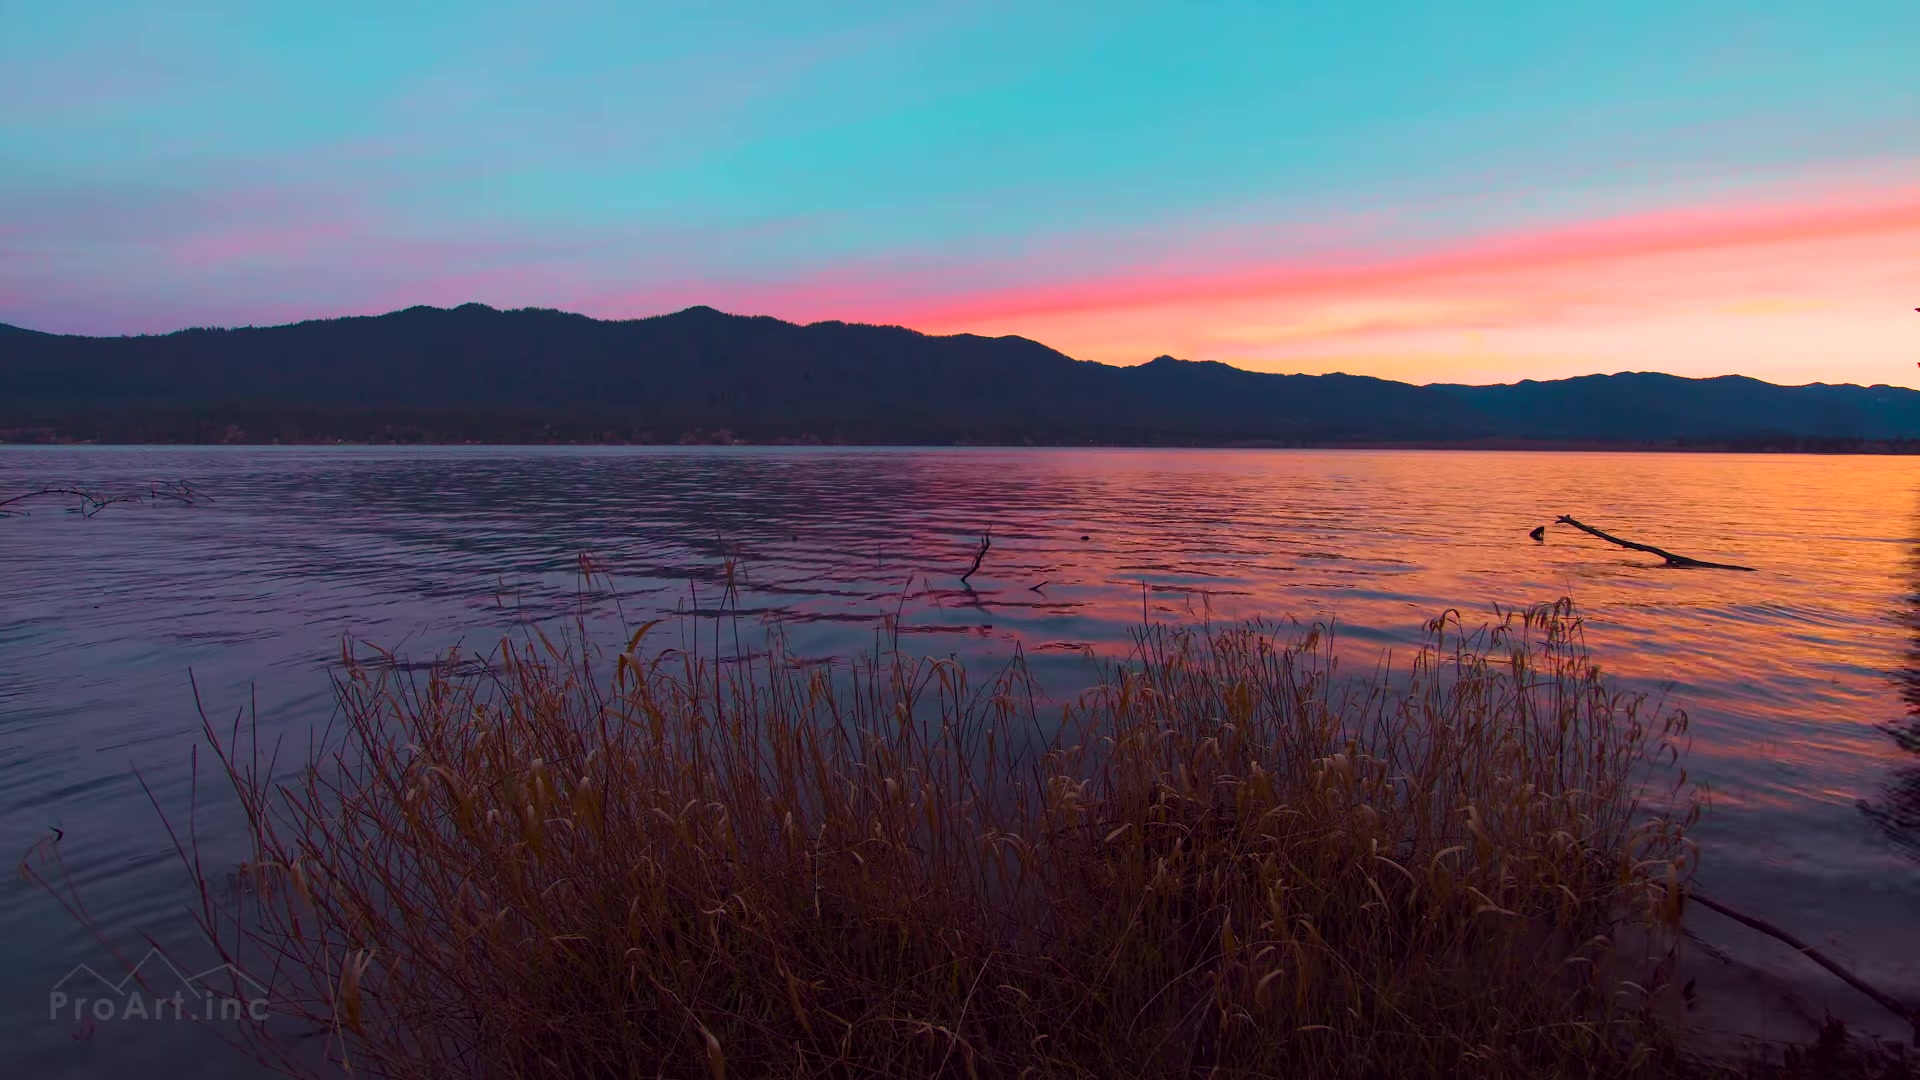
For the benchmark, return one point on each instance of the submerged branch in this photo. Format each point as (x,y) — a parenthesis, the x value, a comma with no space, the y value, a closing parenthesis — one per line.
(986,541)
(1885,1000)
(1679,561)
(91,503)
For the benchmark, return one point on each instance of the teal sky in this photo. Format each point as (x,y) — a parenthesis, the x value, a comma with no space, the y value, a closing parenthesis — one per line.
(181,163)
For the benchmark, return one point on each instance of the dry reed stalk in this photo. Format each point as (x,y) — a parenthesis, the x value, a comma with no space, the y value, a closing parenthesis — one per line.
(1228,859)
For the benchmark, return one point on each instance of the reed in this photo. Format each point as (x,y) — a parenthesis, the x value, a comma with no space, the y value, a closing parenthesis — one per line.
(1228,859)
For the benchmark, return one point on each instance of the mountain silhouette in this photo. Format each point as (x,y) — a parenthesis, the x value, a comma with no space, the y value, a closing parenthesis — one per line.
(474,373)
(1650,407)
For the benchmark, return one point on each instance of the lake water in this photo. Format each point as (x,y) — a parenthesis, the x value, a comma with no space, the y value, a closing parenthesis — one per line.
(1791,674)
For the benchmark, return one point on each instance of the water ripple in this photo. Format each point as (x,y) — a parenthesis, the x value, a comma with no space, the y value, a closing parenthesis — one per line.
(1789,673)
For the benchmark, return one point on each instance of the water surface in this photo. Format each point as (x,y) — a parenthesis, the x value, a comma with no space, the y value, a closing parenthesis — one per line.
(1791,674)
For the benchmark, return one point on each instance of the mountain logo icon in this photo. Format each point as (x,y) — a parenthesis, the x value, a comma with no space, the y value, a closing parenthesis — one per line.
(156,988)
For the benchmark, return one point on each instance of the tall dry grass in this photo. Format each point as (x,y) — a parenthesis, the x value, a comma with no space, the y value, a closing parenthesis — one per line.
(1227,860)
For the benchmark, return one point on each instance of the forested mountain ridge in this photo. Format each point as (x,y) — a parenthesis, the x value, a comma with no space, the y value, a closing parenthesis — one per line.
(474,373)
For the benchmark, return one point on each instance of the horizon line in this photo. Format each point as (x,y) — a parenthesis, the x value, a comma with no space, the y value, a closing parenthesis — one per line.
(912,330)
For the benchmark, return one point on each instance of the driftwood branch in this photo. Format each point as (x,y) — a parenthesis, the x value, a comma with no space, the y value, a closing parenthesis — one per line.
(1886,1001)
(986,541)
(89,503)
(1678,561)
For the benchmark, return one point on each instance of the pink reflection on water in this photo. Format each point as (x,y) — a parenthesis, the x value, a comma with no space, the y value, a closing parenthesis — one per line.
(1787,672)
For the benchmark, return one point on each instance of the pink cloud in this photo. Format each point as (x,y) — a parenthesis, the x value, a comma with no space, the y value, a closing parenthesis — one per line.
(1800,291)
(1673,231)
(1800,286)
(1816,284)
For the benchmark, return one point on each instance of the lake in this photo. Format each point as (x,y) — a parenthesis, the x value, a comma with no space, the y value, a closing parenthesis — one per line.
(1792,674)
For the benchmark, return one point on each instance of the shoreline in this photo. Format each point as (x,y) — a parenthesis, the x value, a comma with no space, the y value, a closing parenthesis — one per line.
(1874,448)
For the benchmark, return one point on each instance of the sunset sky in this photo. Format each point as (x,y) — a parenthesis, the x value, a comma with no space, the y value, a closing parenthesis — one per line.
(1432,192)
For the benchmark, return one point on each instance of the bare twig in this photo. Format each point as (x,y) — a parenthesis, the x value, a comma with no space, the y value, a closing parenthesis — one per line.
(1886,1001)
(91,503)
(1678,561)
(986,541)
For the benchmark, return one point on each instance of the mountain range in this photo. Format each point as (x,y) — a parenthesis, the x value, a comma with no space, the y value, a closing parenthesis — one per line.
(474,373)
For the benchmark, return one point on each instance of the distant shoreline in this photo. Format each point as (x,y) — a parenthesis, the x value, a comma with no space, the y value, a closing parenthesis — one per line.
(474,374)
(1878,448)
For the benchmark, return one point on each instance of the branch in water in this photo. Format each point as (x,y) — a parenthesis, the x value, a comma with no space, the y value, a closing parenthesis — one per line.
(1885,1000)
(986,541)
(91,503)
(1680,561)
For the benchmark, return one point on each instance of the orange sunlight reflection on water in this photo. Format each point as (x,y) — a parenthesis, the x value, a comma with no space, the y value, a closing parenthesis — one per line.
(1788,672)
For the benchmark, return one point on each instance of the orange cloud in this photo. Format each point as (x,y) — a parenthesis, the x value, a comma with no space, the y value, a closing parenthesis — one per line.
(1787,291)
